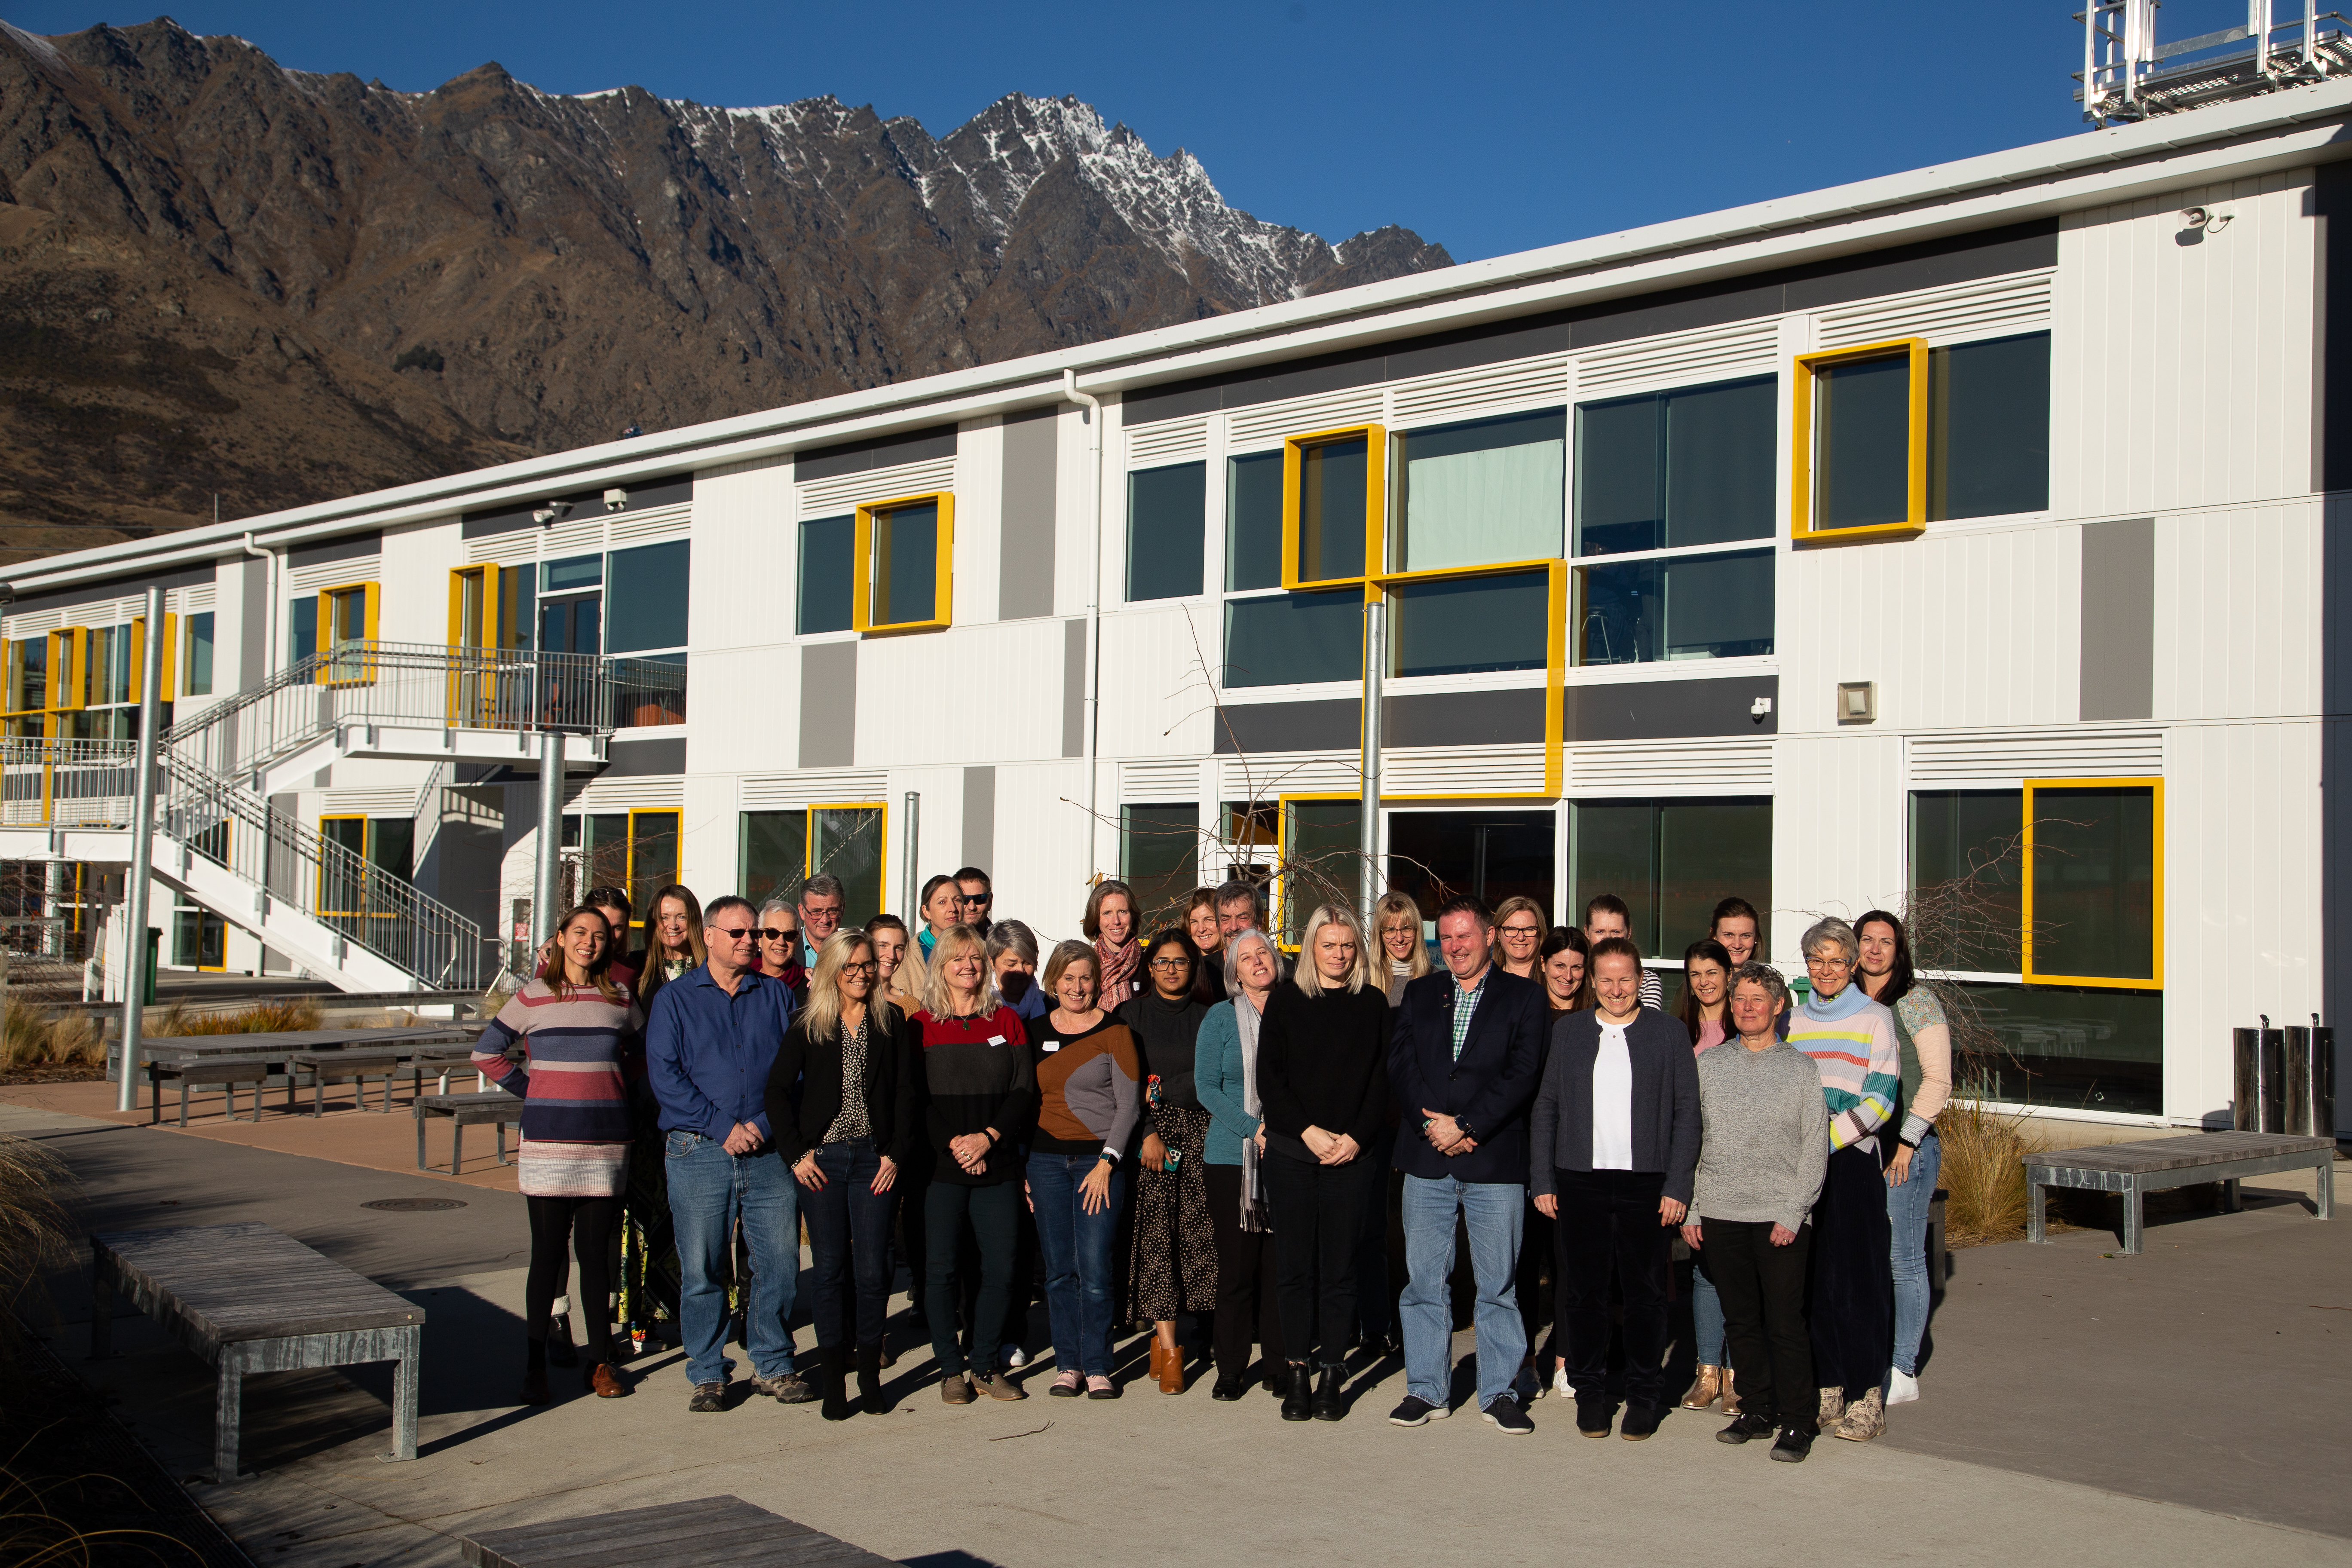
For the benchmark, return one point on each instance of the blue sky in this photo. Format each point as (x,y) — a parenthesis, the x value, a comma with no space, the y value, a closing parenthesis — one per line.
(1490,128)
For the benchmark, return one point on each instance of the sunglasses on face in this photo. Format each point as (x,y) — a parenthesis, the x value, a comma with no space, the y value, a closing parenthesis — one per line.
(737,933)
(768,934)
(975,897)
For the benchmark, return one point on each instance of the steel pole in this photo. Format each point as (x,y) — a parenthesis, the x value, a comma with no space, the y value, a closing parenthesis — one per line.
(1375,660)
(909,877)
(142,852)
(550,838)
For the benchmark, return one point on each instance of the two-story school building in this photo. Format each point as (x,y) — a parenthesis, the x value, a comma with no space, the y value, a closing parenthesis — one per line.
(1982,520)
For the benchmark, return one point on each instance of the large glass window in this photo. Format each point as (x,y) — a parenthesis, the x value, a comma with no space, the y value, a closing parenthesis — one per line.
(648,598)
(385,850)
(653,859)
(774,852)
(1485,491)
(199,655)
(828,573)
(1289,638)
(302,628)
(1458,626)
(847,841)
(1966,848)
(1861,435)
(1159,858)
(1672,861)
(1677,607)
(2090,913)
(905,578)
(1253,521)
(1988,427)
(1436,855)
(2093,1049)
(1167,524)
(1668,469)
(1322,860)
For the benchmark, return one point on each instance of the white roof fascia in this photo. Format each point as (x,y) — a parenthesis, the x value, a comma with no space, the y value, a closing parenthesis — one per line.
(2304,125)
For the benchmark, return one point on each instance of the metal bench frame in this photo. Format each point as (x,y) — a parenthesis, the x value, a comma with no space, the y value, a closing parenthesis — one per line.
(497,1107)
(2091,1170)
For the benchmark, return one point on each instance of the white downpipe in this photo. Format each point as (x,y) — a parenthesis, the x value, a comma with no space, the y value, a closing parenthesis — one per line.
(269,610)
(142,852)
(1093,406)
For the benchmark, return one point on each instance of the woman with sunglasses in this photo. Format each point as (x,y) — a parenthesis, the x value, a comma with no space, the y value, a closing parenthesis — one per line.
(1175,1268)
(778,947)
(841,1102)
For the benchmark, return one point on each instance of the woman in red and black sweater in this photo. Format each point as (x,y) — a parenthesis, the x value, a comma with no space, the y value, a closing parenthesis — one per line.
(1322,1075)
(980,1093)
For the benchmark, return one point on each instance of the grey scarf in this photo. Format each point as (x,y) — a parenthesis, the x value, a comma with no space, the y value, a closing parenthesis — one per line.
(1255,1217)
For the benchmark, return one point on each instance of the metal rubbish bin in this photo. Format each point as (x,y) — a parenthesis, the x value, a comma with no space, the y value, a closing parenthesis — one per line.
(2258,1080)
(2310,1097)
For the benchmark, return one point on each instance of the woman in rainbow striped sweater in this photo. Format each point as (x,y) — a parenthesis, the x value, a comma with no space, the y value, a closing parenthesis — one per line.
(1852,1040)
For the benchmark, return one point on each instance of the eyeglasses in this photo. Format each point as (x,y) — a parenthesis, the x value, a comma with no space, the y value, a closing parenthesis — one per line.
(1521,931)
(767,934)
(1171,963)
(1826,962)
(868,967)
(738,933)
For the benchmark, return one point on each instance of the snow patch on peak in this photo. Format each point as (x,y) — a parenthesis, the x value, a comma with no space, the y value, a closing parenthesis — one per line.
(39,47)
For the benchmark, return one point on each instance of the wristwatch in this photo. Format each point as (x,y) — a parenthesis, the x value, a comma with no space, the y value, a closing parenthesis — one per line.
(1109,1154)
(1462,1126)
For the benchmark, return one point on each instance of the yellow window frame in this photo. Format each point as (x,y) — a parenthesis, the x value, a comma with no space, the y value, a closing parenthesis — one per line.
(2154,981)
(1806,385)
(473,694)
(1376,452)
(487,574)
(365,865)
(861,609)
(1556,573)
(171,656)
(358,671)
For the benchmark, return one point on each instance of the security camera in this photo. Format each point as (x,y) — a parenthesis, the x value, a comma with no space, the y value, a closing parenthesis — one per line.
(615,499)
(554,511)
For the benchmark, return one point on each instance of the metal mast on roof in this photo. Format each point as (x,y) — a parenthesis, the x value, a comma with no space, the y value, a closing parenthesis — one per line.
(2127,75)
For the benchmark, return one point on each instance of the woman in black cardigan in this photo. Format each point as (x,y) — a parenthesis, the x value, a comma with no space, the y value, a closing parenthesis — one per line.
(841,1104)
(1615,1135)
(1322,1077)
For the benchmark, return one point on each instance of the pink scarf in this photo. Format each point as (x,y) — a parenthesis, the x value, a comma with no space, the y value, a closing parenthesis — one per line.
(1116,966)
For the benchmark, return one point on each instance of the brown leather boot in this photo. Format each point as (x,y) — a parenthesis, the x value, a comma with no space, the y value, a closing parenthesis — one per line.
(1706,1390)
(602,1381)
(1171,1368)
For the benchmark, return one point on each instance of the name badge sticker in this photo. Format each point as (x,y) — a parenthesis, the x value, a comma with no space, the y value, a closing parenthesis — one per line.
(996,1040)
(1049,1046)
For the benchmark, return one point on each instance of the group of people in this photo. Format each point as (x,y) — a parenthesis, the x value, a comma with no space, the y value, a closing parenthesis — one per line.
(1196,1122)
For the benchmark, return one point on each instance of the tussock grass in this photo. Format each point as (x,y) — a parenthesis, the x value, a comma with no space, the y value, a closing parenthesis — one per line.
(30,1037)
(262,1018)
(37,1229)
(1983,1173)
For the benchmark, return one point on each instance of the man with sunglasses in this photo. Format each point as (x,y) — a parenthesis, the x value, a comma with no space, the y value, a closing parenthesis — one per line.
(710,1042)
(974,897)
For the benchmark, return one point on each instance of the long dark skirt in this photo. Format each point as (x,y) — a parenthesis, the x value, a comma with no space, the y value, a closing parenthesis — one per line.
(1851,1306)
(1175,1242)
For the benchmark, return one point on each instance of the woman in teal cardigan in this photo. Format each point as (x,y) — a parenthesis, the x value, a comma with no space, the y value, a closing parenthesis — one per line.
(1225,1075)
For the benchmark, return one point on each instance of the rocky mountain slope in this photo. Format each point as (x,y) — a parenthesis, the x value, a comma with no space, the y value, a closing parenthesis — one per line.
(221,276)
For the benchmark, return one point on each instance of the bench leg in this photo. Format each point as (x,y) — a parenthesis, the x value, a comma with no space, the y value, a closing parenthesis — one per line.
(183,1102)
(155,1095)
(2135,1225)
(101,1310)
(2232,1201)
(457,1144)
(502,1141)
(228,1400)
(2036,1230)
(318,1097)
(404,1398)
(420,1143)
(2326,1187)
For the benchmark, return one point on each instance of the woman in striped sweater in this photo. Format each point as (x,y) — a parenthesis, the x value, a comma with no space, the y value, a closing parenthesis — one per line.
(576,1030)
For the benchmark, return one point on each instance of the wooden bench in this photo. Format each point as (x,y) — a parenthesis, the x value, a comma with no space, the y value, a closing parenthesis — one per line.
(219,1070)
(676,1535)
(2134,1169)
(348,1066)
(249,1298)
(497,1107)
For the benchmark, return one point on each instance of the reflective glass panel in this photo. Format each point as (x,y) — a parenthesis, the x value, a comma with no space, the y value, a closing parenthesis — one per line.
(1696,606)
(1489,491)
(1694,465)
(1331,477)
(1988,427)
(648,598)
(1861,443)
(2094,882)
(1965,902)
(905,570)
(1291,637)
(1322,860)
(1459,626)
(199,655)
(2087,1048)
(1160,855)
(775,846)
(847,842)
(828,574)
(1253,521)
(1167,530)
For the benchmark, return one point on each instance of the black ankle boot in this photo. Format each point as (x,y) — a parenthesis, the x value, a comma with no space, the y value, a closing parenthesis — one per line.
(870,1397)
(1329,1405)
(1298,1392)
(833,1384)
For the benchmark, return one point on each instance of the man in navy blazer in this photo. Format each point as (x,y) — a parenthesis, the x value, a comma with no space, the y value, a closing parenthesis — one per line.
(1463,1071)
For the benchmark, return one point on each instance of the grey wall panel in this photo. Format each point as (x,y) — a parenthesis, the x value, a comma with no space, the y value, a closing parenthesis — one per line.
(1670,709)
(875,452)
(1463,717)
(1322,725)
(643,495)
(1026,567)
(351,547)
(979,817)
(643,759)
(1987,253)
(828,704)
(253,619)
(2119,619)
(1074,688)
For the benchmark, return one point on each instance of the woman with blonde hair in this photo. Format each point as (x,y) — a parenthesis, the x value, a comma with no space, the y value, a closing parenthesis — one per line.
(1110,923)
(673,940)
(1322,1073)
(1404,956)
(841,1103)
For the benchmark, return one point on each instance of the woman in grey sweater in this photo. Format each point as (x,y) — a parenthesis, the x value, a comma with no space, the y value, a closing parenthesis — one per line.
(1760,1161)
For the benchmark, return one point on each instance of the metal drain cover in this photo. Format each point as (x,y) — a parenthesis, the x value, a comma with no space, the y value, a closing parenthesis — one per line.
(414,1206)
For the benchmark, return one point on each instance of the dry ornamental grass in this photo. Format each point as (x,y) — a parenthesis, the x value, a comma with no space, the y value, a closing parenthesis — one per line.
(262,1018)
(1983,1173)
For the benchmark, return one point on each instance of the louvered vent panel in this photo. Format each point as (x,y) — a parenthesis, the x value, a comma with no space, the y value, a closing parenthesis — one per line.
(1465,394)
(1463,770)
(1266,774)
(785,791)
(1267,426)
(367,802)
(512,548)
(202,598)
(622,795)
(1160,782)
(2014,304)
(33,626)
(574,536)
(645,527)
(826,497)
(1715,353)
(334,573)
(1691,767)
(2002,760)
(1171,441)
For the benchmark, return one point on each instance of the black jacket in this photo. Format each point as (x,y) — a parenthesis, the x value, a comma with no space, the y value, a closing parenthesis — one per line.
(1493,1085)
(804,1090)
(1665,1100)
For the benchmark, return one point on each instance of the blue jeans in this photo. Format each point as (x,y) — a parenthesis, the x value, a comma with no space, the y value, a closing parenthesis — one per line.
(1074,1248)
(1491,1213)
(1706,1313)
(849,1234)
(709,1191)
(1906,1214)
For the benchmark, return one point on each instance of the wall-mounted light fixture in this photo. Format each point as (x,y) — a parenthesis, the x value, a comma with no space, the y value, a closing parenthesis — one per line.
(1857,701)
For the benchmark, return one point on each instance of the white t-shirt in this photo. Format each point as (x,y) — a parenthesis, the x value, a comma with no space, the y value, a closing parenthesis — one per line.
(1612,1101)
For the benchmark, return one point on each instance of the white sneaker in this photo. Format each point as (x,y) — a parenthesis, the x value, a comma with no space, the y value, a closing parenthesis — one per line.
(1902,1388)
(1560,1383)
(1014,1357)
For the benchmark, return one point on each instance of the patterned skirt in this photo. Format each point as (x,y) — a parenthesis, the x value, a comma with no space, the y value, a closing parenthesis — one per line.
(1175,1244)
(546,1169)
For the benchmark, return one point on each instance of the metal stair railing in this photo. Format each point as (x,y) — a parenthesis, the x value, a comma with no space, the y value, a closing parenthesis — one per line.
(87,783)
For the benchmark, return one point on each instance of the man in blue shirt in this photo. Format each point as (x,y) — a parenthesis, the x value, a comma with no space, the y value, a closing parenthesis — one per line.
(709,1043)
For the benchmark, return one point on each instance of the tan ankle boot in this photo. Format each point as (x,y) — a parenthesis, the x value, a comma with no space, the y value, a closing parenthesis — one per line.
(1706,1390)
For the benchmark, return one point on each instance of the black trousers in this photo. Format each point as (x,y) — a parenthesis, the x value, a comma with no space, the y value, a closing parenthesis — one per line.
(1850,1307)
(586,1223)
(1608,1228)
(993,1214)
(1319,1218)
(1247,1303)
(1376,1290)
(1762,1288)
(1539,1268)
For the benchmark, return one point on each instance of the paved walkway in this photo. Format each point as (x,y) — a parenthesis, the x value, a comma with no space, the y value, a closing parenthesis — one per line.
(2215,1360)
